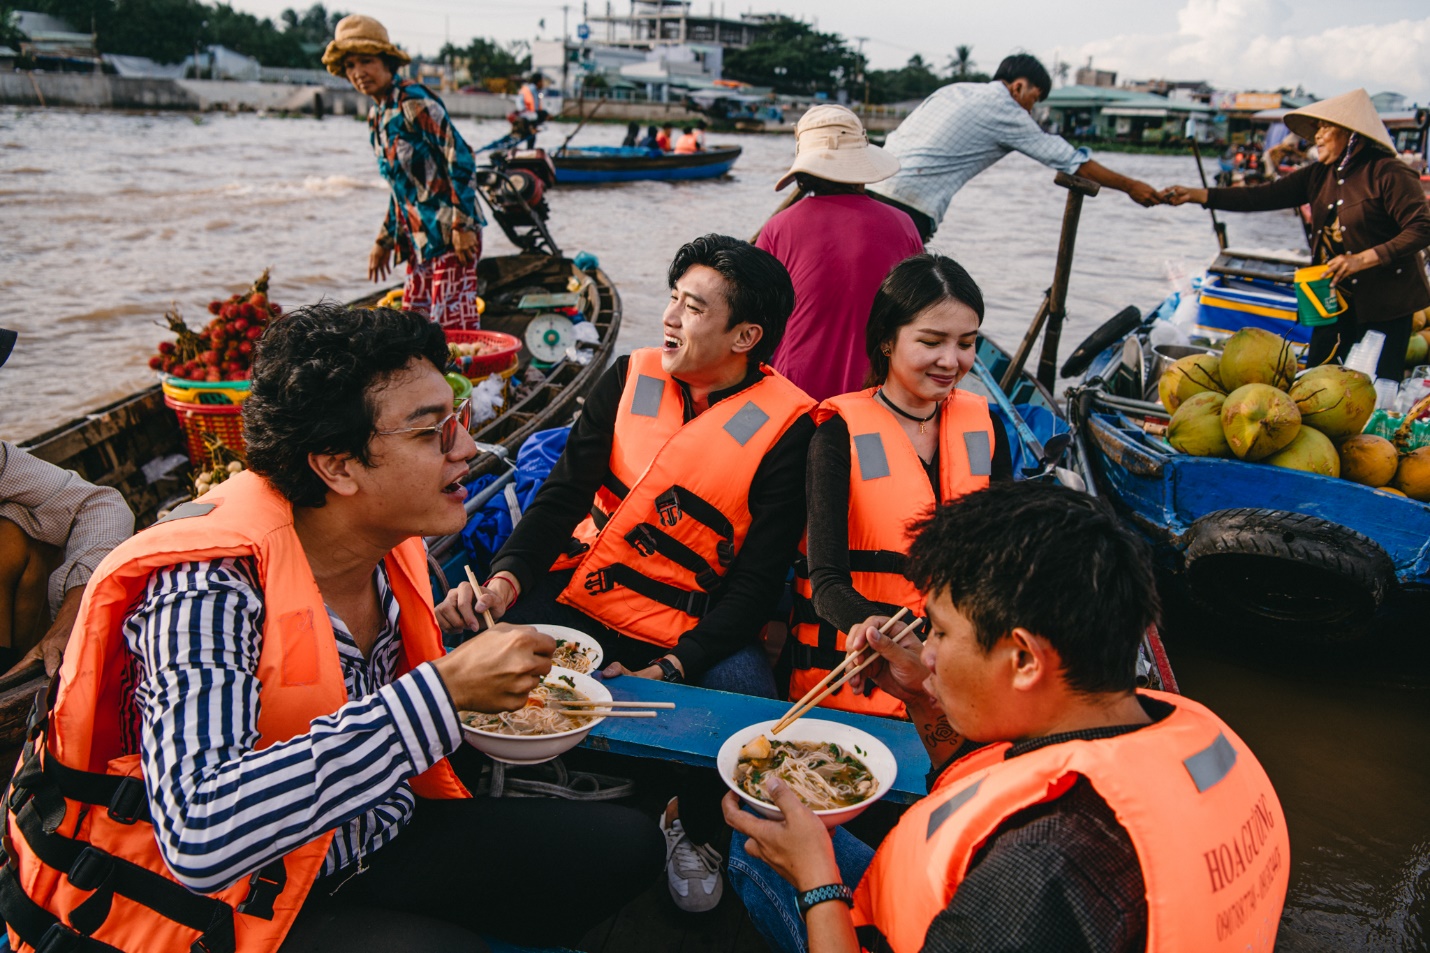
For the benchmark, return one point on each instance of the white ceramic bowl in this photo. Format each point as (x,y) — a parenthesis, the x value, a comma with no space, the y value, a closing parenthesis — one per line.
(876,757)
(534,749)
(593,648)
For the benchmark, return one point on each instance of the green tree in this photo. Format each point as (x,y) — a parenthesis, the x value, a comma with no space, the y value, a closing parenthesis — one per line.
(10,33)
(914,80)
(960,64)
(488,59)
(796,59)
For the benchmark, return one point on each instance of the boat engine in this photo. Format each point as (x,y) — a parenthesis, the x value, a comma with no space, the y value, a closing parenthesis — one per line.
(514,187)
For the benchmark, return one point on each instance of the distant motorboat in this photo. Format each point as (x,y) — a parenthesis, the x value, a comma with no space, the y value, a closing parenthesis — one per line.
(597,164)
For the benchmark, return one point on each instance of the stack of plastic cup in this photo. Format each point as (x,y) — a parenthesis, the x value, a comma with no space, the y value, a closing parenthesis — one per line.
(1364,355)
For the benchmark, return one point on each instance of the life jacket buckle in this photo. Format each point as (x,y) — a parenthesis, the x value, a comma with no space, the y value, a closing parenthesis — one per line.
(575,547)
(91,869)
(642,539)
(599,581)
(263,888)
(725,552)
(707,579)
(668,506)
(59,939)
(129,803)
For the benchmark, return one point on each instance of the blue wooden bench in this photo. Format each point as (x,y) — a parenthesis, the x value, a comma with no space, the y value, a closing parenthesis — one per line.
(703,719)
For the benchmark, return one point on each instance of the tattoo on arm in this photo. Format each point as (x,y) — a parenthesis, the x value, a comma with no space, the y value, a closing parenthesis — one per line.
(941,732)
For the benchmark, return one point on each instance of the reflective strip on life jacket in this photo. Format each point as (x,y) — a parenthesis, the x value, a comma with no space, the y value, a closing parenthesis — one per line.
(648,563)
(888,489)
(84,867)
(1208,829)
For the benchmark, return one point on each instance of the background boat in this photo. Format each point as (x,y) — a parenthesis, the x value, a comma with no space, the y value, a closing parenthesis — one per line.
(598,164)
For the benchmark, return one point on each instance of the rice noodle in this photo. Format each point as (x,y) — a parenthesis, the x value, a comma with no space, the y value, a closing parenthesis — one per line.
(822,774)
(572,655)
(541,716)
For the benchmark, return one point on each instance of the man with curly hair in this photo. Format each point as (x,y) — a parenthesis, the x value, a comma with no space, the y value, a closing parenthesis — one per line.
(266,665)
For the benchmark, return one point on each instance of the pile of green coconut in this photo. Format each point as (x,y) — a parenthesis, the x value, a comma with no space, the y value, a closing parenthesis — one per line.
(1249,403)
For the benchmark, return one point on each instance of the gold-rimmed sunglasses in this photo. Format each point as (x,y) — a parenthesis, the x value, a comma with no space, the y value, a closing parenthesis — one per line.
(459,420)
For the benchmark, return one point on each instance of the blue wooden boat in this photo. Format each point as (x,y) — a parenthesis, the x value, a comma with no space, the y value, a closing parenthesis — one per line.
(600,164)
(1288,552)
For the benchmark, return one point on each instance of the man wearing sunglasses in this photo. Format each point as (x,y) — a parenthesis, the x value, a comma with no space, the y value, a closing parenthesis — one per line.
(255,710)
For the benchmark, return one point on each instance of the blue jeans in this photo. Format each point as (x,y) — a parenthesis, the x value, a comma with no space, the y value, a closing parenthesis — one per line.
(770,900)
(747,672)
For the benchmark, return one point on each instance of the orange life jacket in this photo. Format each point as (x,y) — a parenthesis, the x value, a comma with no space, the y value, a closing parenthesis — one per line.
(888,489)
(1208,829)
(688,142)
(662,141)
(530,101)
(673,511)
(81,848)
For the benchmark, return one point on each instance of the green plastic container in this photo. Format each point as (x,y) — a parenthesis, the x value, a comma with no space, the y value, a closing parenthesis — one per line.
(1317,303)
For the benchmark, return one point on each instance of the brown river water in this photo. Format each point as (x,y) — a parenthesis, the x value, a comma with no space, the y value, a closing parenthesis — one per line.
(107,219)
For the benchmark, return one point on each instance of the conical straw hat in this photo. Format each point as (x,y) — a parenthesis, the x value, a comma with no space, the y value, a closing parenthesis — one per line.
(1353,111)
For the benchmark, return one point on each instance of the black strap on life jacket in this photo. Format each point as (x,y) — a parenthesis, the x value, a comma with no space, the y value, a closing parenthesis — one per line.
(824,656)
(877,560)
(683,600)
(678,502)
(648,540)
(36,800)
(872,940)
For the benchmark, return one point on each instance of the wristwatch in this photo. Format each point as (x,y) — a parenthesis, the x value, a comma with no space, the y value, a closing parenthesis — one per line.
(812,898)
(668,671)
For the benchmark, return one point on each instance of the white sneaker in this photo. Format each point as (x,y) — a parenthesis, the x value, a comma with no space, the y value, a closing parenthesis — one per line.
(692,871)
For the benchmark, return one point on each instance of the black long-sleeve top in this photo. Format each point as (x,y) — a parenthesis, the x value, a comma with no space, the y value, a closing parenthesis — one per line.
(746,597)
(835,598)
(1380,206)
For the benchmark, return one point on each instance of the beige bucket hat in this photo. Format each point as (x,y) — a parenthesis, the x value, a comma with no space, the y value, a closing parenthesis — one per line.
(830,143)
(1353,111)
(363,35)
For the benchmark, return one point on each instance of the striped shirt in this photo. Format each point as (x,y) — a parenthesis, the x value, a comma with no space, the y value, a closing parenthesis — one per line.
(59,507)
(223,809)
(956,133)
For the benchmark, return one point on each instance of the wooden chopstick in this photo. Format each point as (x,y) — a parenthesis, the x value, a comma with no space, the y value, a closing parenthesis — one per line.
(573,712)
(601,704)
(834,673)
(794,716)
(472,578)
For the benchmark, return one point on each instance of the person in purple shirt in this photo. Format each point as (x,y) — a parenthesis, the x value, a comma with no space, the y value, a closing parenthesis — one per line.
(838,245)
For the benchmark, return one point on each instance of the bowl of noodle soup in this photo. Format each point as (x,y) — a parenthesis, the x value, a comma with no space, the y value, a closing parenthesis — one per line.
(827,763)
(538,732)
(574,649)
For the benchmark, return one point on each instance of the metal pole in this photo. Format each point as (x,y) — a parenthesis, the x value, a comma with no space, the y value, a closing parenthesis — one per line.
(1058,295)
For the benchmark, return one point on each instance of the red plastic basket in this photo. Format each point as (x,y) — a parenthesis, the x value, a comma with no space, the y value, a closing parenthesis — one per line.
(507,347)
(224,421)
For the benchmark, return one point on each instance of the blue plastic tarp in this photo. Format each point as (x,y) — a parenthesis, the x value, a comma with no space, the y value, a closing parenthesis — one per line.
(491,525)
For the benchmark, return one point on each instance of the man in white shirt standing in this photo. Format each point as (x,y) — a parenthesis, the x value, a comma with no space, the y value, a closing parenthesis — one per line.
(963,128)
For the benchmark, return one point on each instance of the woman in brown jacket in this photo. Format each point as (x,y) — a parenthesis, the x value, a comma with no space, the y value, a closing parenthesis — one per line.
(1369,218)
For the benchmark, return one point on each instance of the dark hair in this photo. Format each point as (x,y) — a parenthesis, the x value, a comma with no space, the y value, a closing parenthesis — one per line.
(315,371)
(814,185)
(651,130)
(915,284)
(687,129)
(1050,560)
(1025,66)
(758,289)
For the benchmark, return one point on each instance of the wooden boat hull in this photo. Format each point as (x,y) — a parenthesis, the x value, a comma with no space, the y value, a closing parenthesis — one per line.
(597,165)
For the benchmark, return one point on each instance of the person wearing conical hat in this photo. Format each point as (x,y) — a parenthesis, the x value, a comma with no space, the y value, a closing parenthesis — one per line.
(1370,224)
(838,245)
(433,220)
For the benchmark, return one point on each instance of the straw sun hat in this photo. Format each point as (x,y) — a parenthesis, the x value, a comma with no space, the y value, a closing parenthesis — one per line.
(830,143)
(362,35)
(1353,111)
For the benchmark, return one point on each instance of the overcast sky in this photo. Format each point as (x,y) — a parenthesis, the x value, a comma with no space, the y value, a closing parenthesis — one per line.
(1327,46)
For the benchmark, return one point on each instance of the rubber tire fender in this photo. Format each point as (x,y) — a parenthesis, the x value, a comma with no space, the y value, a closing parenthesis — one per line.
(1291,571)
(1113,330)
